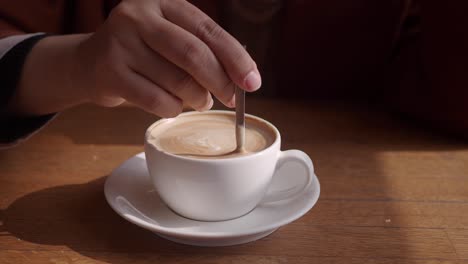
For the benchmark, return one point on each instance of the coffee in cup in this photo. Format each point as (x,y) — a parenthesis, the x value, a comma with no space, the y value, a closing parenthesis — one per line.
(210,136)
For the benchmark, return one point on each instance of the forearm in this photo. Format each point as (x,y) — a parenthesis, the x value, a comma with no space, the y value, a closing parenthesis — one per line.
(48,82)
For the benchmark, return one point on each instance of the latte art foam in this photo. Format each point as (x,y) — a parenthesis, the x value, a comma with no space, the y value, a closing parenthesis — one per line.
(209,136)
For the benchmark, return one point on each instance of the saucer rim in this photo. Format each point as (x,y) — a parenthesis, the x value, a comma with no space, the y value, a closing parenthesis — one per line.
(315,194)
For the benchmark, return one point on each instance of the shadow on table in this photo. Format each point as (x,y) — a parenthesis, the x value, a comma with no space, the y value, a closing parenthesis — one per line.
(342,144)
(89,124)
(78,217)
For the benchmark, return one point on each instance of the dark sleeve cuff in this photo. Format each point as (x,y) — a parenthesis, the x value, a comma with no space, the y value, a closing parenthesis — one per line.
(16,129)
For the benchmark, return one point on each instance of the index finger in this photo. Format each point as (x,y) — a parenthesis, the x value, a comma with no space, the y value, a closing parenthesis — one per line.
(234,58)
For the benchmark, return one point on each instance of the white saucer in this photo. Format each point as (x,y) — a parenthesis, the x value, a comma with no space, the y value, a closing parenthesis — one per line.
(130,193)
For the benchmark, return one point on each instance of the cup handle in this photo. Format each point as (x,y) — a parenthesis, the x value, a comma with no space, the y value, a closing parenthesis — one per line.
(296,156)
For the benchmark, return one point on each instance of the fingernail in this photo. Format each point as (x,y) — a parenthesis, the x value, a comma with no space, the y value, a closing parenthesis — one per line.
(232,102)
(252,81)
(208,105)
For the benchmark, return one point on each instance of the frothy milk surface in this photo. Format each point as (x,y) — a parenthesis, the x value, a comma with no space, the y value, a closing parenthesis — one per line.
(210,135)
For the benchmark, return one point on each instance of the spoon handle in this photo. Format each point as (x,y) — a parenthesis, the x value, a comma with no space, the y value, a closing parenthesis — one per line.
(240,118)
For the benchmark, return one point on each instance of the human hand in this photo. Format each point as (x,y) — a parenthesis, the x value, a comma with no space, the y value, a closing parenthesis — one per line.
(160,55)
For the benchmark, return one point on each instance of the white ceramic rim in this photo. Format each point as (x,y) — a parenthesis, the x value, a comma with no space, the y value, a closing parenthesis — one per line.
(213,112)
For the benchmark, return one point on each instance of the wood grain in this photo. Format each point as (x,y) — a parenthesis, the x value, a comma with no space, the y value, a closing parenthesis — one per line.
(392,192)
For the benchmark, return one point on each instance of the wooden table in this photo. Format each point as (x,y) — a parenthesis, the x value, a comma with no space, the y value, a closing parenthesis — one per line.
(391,192)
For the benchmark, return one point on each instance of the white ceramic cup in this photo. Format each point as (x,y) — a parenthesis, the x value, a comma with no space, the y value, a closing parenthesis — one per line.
(221,189)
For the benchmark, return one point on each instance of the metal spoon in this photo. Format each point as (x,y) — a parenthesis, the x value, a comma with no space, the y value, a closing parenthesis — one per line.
(240,119)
